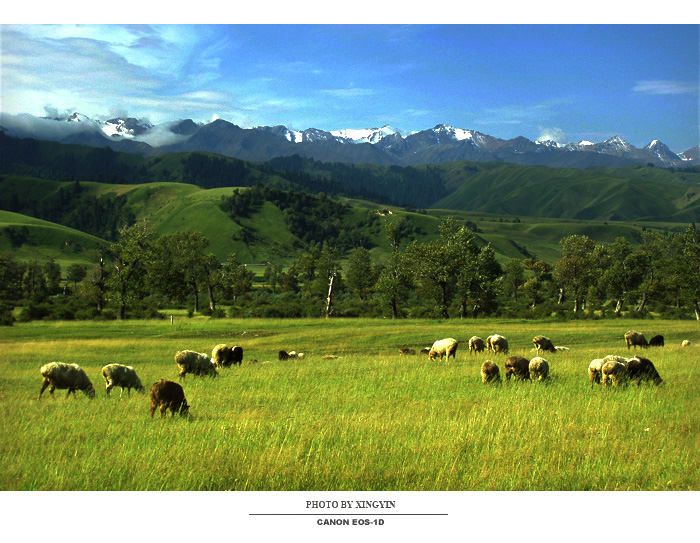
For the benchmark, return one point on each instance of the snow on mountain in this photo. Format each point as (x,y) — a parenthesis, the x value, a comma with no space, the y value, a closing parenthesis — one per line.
(661,152)
(126,128)
(690,154)
(365,135)
(548,143)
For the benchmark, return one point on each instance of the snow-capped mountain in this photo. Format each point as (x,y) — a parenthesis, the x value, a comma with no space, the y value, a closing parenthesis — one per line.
(385,145)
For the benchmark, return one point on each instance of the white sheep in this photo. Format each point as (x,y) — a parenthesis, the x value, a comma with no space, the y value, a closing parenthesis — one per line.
(442,347)
(635,338)
(539,369)
(595,371)
(497,344)
(62,376)
(195,363)
(543,343)
(118,375)
(614,370)
(685,343)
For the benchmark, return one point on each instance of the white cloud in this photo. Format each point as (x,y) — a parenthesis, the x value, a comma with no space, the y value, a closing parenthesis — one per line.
(665,87)
(349,92)
(553,134)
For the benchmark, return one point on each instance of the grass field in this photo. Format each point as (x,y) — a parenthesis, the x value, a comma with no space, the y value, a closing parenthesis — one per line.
(368,420)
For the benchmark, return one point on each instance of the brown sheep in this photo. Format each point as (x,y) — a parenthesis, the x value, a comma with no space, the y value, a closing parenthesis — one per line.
(476,345)
(168,395)
(65,376)
(519,366)
(490,372)
(544,343)
(635,338)
(641,369)
(406,350)
(223,356)
(656,341)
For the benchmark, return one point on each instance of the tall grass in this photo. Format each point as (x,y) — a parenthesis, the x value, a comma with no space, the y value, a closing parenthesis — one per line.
(366,420)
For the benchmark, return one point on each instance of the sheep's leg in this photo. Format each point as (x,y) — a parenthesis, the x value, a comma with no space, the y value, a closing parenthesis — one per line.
(45,383)
(109,388)
(163,409)
(153,409)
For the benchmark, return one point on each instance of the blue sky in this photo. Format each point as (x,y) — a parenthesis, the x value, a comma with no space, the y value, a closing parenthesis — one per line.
(565,82)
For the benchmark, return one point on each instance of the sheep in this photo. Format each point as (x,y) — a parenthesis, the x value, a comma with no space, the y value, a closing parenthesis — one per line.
(118,375)
(425,350)
(635,338)
(476,345)
(284,355)
(168,395)
(406,350)
(195,363)
(539,369)
(614,371)
(490,372)
(595,369)
(543,343)
(642,369)
(519,366)
(685,343)
(442,347)
(70,376)
(223,356)
(497,344)
(656,341)
(561,349)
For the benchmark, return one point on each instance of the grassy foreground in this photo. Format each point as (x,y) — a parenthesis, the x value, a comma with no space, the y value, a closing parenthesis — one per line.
(368,420)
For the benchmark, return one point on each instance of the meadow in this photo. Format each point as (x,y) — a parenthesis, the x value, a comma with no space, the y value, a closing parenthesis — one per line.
(368,420)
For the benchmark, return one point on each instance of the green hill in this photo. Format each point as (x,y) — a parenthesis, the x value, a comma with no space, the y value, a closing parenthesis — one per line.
(603,194)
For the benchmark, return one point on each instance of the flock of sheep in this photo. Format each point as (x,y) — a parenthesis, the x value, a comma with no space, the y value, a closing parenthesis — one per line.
(164,394)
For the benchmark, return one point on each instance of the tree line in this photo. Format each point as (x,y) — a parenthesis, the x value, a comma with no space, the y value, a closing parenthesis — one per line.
(452,276)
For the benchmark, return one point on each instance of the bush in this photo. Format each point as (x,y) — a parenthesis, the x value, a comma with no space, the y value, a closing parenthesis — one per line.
(6,316)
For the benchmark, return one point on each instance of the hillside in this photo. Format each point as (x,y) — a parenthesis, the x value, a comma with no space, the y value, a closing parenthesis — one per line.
(643,194)
(263,236)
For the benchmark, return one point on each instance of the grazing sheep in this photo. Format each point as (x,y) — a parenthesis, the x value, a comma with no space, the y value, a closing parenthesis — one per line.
(642,369)
(490,372)
(519,366)
(497,344)
(61,376)
(195,363)
(168,395)
(614,371)
(543,343)
(442,347)
(118,375)
(560,349)
(284,355)
(539,369)
(656,341)
(595,371)
(476,345)
(425,350)
(635,338)
(406,350)
(223,356)
(685,343)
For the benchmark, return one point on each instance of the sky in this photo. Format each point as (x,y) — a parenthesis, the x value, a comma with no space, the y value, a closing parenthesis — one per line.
(554,81)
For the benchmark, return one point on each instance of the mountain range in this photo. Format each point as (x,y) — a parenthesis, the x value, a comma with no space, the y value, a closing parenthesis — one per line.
(383,146)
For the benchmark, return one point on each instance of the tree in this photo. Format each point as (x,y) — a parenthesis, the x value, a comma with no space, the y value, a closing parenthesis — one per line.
(273,276)
(237,279)
(133,256)
(534,287)
(11,274)
(395,282)
(514,277)
(576,267)
(360,276)
(691,267)
(75,274)
(478,284)
(620,268)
